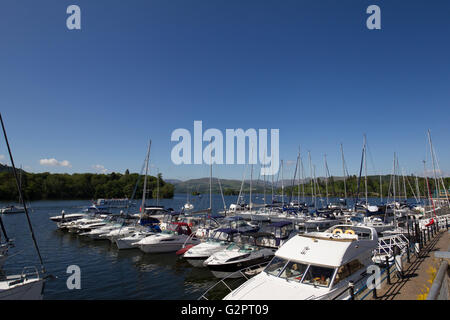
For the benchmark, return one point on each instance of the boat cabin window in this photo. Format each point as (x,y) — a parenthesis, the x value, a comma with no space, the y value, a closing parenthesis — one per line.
(266,242)
(320,276)
(294,271)
(347,270)
(275,266)
(220,236)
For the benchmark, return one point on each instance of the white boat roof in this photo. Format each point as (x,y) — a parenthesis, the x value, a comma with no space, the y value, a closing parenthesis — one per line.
(325,248)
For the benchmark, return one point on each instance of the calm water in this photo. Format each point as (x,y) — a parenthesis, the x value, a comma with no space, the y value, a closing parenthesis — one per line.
(106,273)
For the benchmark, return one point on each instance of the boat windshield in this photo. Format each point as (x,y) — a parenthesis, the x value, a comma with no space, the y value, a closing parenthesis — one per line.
(294,271)
(220,236)
(300,272)
(318,276)
(275,266)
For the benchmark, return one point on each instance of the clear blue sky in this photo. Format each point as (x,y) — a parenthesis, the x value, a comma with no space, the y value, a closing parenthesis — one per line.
(137,70)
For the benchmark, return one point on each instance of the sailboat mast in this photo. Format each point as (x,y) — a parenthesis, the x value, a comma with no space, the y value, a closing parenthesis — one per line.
(326,176)
(343,172)
(210,178)
(365,168)
(282,183)
(145,179)
(21,195)
(430,198)
(251,183)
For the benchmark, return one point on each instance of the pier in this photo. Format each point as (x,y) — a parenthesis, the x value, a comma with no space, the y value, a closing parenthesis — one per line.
(420,270)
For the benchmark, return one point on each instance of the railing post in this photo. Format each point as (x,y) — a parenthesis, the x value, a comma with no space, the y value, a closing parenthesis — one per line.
(351,286)
(430,234)
(407,252)
(388,271)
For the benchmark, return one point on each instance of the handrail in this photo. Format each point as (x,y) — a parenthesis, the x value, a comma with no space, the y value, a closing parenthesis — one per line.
(241,271)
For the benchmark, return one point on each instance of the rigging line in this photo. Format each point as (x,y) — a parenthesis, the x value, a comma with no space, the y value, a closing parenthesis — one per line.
(410,187)
(21,196)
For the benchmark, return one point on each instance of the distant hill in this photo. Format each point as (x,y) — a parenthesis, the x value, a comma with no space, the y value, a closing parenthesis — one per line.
(4,168)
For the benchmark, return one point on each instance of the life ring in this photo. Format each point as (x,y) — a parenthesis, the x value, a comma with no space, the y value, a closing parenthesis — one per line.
(349,231)
(337,231)
(430,222)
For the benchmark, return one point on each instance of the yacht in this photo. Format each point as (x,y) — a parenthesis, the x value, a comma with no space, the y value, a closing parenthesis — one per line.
(171,239)
(247,250)
(317,265)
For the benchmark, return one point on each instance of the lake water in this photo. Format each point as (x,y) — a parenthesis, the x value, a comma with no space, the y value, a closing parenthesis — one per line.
(106,273)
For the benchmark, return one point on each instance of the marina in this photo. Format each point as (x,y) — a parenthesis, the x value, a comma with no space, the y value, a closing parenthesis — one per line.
(224,158)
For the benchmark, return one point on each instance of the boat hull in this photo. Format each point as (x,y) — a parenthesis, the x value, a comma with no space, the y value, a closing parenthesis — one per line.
(229,270)
(32,290)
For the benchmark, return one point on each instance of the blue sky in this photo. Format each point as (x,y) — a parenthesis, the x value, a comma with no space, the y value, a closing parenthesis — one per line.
(137,70)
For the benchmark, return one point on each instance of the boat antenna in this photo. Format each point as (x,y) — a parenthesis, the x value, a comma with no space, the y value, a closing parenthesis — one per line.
(21,196)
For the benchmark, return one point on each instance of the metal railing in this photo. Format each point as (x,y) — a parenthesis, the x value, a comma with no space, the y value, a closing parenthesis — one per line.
(243,273)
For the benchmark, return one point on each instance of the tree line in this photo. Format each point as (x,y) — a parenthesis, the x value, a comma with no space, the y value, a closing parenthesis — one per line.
(336,187)
(51,186)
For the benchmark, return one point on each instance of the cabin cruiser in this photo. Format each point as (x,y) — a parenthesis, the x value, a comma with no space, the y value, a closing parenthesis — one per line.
(120,232)
(248,249)
(239,224)
(130,241)
(157,212)
(207,225)
(12,209)
(86,213)
(171,239)
(218,241)
(169,218)
(376,222)
(99,232)
(312,266)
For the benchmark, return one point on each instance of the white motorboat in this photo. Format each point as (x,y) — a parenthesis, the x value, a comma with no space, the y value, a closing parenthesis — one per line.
(247,249)
(219,240)
(99,232)
(170,240)
(120,232)
(131,241)
(85,225)
(316,265)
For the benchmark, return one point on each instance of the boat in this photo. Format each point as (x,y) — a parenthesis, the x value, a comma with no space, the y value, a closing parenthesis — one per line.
(238,223)
(24,286)
(218,241)
(247,249)
(171,239)
(130,241)
(314,266)
(27,285)
(12,209)
(68,217)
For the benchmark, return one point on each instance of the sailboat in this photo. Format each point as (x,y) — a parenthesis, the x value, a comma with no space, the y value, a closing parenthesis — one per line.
(147,220)
(29,285)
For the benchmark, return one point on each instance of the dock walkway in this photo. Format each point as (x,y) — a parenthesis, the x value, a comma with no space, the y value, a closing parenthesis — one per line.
(417,274)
